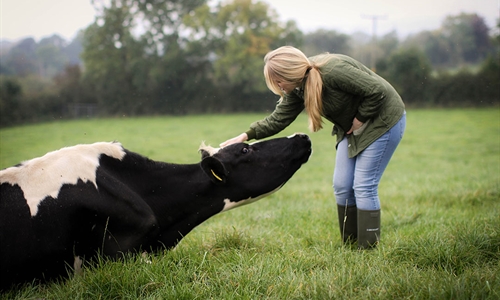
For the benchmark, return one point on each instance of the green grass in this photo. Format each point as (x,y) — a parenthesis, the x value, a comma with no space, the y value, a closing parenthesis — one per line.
(440,217)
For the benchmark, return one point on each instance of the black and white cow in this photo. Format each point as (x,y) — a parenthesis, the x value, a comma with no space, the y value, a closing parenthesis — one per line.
(102,198)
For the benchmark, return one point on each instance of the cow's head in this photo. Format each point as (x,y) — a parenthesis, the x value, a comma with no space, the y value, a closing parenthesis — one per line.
(248,172)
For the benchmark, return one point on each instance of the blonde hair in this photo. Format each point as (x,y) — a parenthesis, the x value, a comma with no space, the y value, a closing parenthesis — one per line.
(289,65)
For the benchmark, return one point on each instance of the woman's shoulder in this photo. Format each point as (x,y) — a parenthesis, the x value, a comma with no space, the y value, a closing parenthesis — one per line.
(338,64)
(328,58)
(332,62)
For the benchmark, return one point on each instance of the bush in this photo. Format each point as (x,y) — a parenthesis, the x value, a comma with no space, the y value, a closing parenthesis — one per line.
(468,89)
(408,71)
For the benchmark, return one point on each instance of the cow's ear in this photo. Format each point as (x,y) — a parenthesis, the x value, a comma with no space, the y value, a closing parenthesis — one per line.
(214,169)
(204,153)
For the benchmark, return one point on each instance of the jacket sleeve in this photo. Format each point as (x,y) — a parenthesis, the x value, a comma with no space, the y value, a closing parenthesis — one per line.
(364,83)
(286,111)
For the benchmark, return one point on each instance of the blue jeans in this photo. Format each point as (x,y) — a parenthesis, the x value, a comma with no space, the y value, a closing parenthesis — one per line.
(356,180)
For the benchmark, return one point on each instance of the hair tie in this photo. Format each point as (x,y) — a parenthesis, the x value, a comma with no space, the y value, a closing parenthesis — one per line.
(307,71)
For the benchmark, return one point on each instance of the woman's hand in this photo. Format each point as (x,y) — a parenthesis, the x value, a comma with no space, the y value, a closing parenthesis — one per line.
(356,124)
(239,139)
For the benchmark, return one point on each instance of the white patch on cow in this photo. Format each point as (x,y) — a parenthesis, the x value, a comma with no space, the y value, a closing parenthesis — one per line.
(230,204)
(44,176)
(293,135)
(209,149)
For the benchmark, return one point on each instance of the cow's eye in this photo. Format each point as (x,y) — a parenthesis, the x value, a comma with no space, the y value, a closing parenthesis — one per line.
(244,150)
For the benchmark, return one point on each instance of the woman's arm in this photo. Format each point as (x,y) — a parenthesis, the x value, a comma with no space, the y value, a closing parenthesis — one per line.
(286,111)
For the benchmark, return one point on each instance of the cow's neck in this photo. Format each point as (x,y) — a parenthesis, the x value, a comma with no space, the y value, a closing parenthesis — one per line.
(182,197)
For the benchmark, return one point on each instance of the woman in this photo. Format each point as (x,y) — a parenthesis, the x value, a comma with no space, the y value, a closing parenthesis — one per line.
(369,122)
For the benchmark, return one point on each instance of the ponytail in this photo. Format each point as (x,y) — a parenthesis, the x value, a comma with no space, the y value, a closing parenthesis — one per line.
(313,100)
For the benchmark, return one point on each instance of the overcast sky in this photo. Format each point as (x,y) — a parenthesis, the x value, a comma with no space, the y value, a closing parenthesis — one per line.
(42,18)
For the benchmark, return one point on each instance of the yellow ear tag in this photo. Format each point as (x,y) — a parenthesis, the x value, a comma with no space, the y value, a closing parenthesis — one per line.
(215,175)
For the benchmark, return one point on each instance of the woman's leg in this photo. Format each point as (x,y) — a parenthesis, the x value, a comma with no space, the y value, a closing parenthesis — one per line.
(370,166)
(343,179)
(343,176)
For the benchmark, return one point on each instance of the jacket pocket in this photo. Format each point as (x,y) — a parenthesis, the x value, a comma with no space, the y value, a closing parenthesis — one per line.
(361,129)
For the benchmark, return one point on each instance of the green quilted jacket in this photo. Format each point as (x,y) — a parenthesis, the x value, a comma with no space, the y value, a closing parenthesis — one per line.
(350,90)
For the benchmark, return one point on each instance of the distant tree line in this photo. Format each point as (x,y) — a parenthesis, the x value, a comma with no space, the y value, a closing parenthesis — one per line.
(145,57)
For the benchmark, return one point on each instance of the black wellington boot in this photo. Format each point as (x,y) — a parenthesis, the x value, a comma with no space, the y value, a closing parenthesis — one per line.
(368,228)
(348,223)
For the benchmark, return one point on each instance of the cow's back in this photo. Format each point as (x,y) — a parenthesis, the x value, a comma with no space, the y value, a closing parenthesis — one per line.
(47,212)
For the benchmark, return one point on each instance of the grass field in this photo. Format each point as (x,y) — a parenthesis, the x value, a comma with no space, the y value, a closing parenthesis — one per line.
(440,217)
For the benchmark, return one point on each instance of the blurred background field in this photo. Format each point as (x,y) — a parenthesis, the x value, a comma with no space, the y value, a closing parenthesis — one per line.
(440,207)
